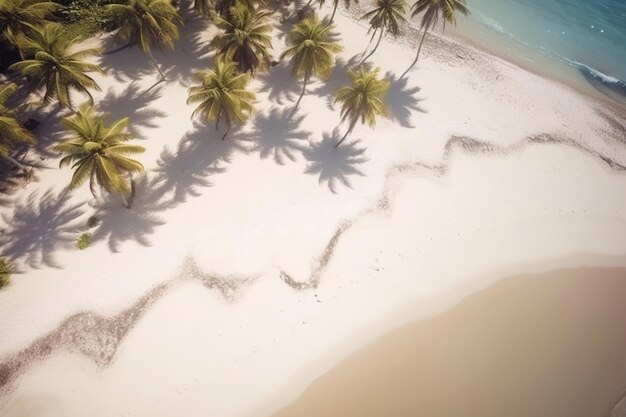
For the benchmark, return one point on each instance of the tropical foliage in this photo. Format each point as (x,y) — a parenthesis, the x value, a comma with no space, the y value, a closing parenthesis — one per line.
(222,94)
(53,64)
(246,38)
(363,100)
(147,23)
(347,4)
(5,273)
(11,132)
(432,11)
(18,16)
(97,152)
(386,16)
(311,50)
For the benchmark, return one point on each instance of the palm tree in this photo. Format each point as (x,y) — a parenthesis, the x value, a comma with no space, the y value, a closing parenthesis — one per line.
(246,38)
(311,51)
(204,7)
(97,152)
(387,15)
(147,23)
(347,4)
(362,100)
(53,64)
(11,132)
(433,11)
(17,16)
(222,94)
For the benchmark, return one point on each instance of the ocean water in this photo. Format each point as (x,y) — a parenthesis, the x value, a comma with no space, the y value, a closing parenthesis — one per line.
(587,36)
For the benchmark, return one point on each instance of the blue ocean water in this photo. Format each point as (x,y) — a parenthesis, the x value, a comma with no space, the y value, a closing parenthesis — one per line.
(588,35)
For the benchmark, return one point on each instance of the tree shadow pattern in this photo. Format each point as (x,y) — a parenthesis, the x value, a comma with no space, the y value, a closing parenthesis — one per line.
(277,134)
(334,165)
(39,227)
(401,100)
(135,105)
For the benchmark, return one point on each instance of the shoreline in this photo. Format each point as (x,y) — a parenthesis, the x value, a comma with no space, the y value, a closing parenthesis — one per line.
(496,349)
(287,249)
(466,40)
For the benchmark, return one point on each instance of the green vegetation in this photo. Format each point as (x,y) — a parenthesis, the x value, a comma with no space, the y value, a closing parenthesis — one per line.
(83,241)
(92,221)
(311,51)
(432,11)
(147,23)
(245,38)
(222,94)
(19,16)
(12,134)
(5,273)
(97,152)
(86,17)
(387,15)
(363,100)
(53,64)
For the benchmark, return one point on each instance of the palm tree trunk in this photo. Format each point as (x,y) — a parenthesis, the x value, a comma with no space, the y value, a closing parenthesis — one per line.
(228,124)
(17,164)
(380,37)
(117,49)
(332,17)
(92,184)
(419,48)
(156,64)
(128,200)
(346,135)
(369,43)
(304,83)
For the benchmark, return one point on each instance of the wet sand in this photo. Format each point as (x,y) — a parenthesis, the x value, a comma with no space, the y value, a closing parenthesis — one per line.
(550,345)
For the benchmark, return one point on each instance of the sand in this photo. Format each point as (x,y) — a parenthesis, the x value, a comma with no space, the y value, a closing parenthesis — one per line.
(249,267)
(552,344)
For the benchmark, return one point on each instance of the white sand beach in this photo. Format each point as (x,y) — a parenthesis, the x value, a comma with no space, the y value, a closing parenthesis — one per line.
(249,267)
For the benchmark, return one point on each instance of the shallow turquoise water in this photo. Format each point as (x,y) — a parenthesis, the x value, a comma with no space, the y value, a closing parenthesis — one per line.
(588,35)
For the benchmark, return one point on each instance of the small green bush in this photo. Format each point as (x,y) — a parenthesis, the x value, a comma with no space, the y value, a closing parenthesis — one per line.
(83,241)
(5,273)
(86,17)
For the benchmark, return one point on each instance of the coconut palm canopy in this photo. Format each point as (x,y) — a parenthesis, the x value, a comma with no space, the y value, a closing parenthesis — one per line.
(363,99)
(311,49)
(54,64)
(97,152)
(11,132)
(432,11)
(17,16)
(147,23)
(246,38)
(386,16)
(222,94)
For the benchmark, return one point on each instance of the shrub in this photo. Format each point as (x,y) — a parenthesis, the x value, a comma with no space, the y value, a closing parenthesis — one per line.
(83,241)
(85,17)
(5,273)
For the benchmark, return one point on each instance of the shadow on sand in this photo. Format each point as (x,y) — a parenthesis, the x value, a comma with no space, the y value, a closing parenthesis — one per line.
(334,165)
(401,100)
(277,134)
(135,105)
(280,85)
(190,52)
(40,226)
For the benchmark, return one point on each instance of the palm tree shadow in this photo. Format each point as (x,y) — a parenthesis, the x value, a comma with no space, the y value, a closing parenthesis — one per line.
(199,154)
(192,51)
(118,224)
(401,101)
(39,226)
(278,134)
(135,105)
(334,165)
(338,78)
(277,81)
